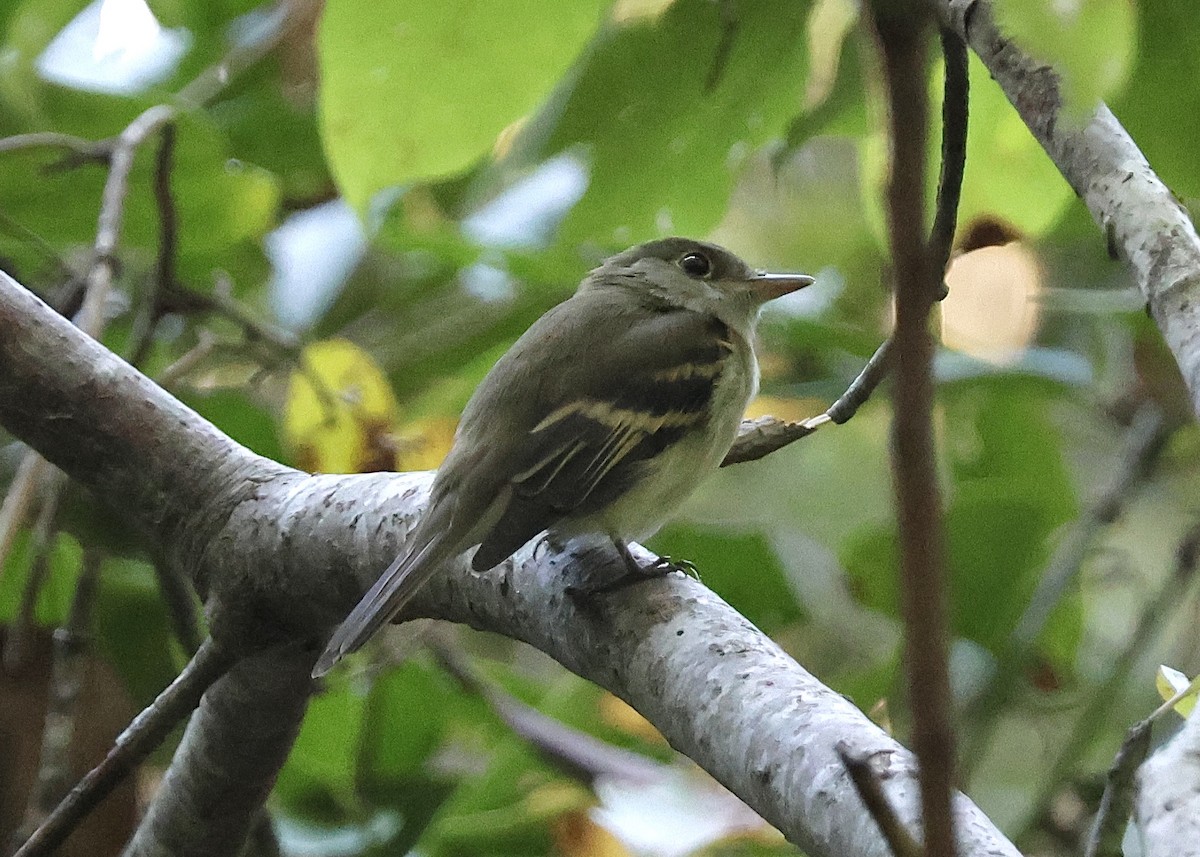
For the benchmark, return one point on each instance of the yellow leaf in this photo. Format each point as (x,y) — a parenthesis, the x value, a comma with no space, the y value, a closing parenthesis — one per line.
(341,412)
(1171,683)
(616,712)
(576,835)
(422,444)
(784,409)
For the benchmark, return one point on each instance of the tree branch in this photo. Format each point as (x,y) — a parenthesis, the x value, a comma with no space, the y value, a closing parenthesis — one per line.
(284,555)
(1145,222)
(227,761)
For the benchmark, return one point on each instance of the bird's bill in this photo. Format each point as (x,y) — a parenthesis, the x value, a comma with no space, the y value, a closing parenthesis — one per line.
(770,286)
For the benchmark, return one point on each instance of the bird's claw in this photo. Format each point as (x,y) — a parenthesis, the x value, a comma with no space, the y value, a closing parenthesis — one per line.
(665,565)
(635,574)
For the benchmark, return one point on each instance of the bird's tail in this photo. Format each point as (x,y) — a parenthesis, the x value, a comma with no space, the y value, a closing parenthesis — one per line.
(394,588)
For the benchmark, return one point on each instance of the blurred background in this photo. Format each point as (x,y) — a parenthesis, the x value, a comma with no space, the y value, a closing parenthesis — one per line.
(359,207)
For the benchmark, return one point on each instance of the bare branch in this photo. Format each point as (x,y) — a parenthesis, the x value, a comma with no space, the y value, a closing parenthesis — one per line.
(19,500)
(955,106)
(230,754)
(41,543)
(1117,802)
(577,753)
(66,681)
(81,149)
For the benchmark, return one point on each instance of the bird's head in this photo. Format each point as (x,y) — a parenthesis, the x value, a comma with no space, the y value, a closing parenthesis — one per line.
(697,275)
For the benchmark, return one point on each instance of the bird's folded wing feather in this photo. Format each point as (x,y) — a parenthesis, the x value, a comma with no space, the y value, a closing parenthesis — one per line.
(645,384)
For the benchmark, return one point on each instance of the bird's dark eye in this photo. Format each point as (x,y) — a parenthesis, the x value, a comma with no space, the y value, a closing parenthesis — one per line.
(695,265)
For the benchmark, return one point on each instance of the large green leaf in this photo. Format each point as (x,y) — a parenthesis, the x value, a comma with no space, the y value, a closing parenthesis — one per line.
(665,109)
(1008,174)
(1010,492)
(132,628)
(413,90)
(1159,105)
(319,777)
(742,568)
(1091,45)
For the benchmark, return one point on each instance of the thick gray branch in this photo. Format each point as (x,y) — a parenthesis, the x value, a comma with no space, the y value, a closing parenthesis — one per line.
(285,555)
(1140,217)
(1167,808)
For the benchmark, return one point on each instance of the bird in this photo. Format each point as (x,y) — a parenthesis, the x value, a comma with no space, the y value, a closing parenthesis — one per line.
(600,419)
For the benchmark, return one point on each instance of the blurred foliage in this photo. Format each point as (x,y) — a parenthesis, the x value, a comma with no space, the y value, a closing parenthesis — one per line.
(492,154)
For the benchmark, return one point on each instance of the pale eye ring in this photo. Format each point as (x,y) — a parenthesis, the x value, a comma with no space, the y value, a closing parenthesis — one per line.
(695,264)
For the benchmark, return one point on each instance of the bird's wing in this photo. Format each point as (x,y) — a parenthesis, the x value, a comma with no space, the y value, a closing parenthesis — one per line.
(647,383)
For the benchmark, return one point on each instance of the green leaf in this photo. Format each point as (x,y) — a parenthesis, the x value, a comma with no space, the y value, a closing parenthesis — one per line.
(319,776)
(221,205)
(408,711)
(58,588)
(1091,45)
(132,628)
(742,567)
(1159,105)
(692,93)
(240,417)
(415,90)
(1008,174)
(1010,493)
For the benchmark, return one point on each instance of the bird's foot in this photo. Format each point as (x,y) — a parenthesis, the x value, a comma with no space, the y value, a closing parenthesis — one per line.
(635,573)
(666,565)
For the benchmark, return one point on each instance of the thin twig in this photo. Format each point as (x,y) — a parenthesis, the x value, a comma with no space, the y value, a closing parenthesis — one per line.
(580,755)
(1144,441)
(1088,725)
(220,302)
(902,843)
(164,267)
(1117,803)
(112,212)
(276,24)
(955,109)
(40,545)
(83,150)
(903,37)
(146,732)
(206,344)
(66,681)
